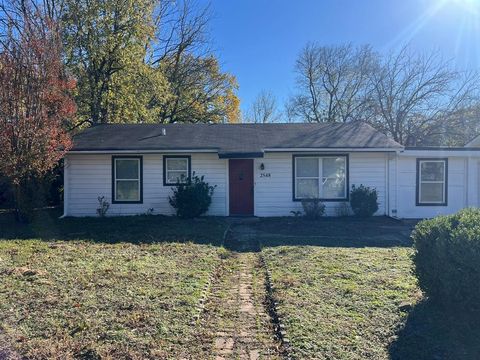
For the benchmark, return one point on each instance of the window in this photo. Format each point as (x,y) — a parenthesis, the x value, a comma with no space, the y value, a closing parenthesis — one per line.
(323,177)
(432,175)
(176,169)
(127,179)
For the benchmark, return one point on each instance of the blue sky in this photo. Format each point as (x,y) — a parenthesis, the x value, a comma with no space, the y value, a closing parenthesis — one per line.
(259,40)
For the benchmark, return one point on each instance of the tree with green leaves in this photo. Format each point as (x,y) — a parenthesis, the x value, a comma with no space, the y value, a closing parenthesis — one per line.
(145,61)
(105,45)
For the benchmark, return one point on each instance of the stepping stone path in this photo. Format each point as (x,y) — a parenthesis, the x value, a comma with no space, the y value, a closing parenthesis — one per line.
(235,318)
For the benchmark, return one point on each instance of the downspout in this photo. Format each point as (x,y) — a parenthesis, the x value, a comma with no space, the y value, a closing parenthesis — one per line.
(387,184)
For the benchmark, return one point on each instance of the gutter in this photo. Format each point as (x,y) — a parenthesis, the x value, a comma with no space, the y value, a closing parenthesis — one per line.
(460,152)
(333,149)
(160,151)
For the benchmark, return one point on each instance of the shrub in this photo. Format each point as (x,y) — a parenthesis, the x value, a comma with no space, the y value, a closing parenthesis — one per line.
(313,208)
(103,206)
(192,198)
(363,201)
(447,259)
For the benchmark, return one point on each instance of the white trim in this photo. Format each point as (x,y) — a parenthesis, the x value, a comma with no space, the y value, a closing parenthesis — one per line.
(440,153)
(115,179)
(387,185)
(294,150)
(227,187)
(65,187)
(320,178)
(421,182)
(179,180)
(113,152)
(216,150)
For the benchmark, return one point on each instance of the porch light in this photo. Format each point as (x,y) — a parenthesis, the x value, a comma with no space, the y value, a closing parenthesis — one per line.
(262,166)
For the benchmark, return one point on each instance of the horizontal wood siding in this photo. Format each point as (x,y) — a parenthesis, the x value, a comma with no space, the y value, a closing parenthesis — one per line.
(273,194)
(406,188)
(89,176)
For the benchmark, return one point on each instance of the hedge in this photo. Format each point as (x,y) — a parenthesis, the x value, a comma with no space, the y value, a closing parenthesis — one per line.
(447,259)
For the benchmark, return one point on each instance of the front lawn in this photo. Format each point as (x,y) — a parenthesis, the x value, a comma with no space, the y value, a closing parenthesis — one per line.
(333,231)
(82,299)
(342,303)
(110,288)
(135,229)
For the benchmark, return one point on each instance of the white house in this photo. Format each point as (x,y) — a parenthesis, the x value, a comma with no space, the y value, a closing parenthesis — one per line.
(265,169)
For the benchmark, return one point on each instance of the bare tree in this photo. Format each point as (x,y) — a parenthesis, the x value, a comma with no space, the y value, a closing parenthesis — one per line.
(200,91)
(418,98)
(333,83)
(264,109)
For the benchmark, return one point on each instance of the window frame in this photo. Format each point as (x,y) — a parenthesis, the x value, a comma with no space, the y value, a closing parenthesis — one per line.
(189,165)
(347,177)
(114,179)
(419,182)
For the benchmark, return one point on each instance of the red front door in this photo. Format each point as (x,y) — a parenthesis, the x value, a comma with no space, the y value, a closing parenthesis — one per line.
(241,186)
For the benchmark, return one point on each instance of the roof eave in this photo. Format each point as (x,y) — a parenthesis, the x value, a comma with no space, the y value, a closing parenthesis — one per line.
(335,149)
(140,151)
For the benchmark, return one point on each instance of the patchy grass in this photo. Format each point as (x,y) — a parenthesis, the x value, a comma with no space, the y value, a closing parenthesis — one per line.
(119,288)
(134,229)
(83,299)
(342,303)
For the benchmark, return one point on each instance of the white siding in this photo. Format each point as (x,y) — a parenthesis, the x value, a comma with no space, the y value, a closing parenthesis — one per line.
(274,194)
(393,175)
(407,185)
(89,176)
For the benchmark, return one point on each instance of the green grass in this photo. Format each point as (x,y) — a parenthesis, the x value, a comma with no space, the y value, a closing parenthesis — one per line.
(119,288)
(342,303)
(62,299)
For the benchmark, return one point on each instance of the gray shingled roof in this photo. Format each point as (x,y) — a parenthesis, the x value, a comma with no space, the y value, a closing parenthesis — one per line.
(229,139)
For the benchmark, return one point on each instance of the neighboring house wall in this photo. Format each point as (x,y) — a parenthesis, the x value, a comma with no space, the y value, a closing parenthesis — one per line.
(273,195)
(90,176)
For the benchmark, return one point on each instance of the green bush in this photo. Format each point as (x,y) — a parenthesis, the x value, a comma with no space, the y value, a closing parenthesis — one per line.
(192,198)
(447,259)
(363,200)
(313,209)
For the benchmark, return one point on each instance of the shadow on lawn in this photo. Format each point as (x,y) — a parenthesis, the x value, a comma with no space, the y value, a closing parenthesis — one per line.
(133,229)
(246,235)
(334,232)
(381,241)
(431,333)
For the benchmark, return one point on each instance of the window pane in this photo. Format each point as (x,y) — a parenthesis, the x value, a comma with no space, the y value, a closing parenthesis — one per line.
(333,167)
(127,191)
(177,164)
(431,193)
(333,188)
(126,168)
(307,167)
(176,176)
(307,188)
(432,171)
